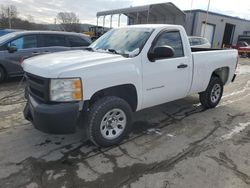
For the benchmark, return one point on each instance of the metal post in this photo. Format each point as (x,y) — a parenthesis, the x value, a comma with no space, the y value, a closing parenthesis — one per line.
(148,16)
(97,18)
(9,17)
(137,17)
(204,32)
(103,21)
(190,13)
(119,19)
(111,16)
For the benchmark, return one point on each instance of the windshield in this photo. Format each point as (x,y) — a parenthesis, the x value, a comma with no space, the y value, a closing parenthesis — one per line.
(124,41)
(7,37)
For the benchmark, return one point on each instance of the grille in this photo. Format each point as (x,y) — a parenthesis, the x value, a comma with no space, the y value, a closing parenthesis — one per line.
(38,87)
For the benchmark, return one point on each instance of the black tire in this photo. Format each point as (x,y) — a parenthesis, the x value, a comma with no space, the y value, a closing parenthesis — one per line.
(2,74)
(97,114)
(208,98)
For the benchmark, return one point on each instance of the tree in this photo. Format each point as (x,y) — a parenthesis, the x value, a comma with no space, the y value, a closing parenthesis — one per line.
(9,19)
(30,18)
(69,21)
(7,14)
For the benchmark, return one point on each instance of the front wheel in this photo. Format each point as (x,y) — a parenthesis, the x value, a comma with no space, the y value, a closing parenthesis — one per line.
(109,121)
(212,96)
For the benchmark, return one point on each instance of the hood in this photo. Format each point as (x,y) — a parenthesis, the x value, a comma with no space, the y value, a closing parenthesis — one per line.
(52,65)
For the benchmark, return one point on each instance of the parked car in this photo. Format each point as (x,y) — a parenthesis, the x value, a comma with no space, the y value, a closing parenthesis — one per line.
(6,31)
(126,70)
(243,48)
(14,47)
(199,42)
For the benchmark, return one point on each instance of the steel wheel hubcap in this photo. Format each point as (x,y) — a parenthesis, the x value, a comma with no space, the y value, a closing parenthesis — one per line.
(113,124)
(216,92)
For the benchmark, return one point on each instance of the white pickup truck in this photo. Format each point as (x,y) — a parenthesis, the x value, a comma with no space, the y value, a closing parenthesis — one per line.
(126,70)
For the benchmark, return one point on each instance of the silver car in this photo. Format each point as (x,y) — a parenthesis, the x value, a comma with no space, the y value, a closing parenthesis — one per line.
(199,42)
(14,47)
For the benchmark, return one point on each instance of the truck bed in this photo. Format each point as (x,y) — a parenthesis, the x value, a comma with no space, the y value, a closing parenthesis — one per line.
(205,61)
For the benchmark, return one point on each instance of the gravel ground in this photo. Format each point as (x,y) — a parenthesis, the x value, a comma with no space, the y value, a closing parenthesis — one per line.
(178,144)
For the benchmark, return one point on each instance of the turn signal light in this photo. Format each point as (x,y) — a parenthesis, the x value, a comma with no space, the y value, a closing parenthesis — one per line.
(77,95)
(77,84)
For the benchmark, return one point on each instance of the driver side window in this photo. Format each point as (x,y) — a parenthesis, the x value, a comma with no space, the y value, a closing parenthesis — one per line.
(24,42)
(172,39)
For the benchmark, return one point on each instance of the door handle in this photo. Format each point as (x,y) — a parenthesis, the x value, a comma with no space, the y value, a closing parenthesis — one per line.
(35,53)
(182,66)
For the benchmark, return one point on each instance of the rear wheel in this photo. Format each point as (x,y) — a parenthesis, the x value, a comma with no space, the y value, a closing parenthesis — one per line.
(2,74)
(109,121)
(212,96)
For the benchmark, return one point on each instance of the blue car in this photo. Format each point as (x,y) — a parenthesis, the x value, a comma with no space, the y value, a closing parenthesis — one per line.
(16,46)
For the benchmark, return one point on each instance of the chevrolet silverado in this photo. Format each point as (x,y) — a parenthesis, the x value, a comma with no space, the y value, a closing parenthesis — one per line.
(126,70)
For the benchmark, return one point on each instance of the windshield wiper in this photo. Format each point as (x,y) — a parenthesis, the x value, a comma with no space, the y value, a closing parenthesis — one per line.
(115,52)
(89,49)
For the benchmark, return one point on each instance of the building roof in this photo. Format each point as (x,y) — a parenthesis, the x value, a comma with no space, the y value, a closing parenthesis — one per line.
(156,9)
(216,14)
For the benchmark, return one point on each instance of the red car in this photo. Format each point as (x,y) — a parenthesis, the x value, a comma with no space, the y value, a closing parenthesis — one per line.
(242,47)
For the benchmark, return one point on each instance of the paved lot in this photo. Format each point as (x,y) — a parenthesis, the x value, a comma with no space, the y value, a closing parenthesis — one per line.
(173,145)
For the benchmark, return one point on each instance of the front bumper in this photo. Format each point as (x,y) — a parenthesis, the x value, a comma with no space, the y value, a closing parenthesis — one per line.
(52,118)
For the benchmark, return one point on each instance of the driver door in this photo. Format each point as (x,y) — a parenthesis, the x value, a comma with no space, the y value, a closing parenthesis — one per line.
(166,79)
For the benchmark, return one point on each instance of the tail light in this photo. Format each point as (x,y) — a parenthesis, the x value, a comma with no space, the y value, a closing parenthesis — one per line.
(21,60)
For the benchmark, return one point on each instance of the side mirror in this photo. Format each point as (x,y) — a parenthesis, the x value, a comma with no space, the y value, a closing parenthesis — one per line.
(161,53)
(12,49)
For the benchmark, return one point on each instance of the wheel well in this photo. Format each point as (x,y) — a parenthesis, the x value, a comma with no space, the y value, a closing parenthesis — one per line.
(127,92)
(222,73)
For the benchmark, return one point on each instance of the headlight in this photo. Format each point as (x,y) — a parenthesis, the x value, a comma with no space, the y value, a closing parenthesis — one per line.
(63,90)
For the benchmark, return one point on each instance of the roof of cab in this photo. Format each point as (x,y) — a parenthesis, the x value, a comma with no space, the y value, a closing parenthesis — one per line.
(153,26)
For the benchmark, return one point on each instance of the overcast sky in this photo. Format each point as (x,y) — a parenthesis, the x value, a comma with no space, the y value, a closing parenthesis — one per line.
(45,11)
